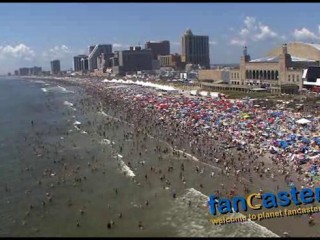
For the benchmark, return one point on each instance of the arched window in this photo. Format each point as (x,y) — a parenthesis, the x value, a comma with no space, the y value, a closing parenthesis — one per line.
(257,74)
(272,75)
(293,78)
(268,75)
(298,78)
(264,74)
(253,74)
(289,79)
(276,75)
(261,74)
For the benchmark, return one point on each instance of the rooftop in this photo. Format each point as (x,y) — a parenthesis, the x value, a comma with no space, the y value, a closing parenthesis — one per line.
(275,59)
(188,32)
(317,46)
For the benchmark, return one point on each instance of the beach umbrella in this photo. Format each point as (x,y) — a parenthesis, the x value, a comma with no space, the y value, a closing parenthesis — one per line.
(303,121)
(245,115)
(305,140)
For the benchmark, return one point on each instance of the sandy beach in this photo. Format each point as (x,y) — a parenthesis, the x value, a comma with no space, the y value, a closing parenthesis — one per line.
(187,157)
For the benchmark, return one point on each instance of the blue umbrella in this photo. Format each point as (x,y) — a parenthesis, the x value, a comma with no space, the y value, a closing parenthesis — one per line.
(305,140)
(293,137)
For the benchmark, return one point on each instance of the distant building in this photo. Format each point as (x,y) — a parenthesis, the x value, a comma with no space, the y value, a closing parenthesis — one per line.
(35,71)
(84,64)
(23,71)
(77,62)
(132,60)
(45,73)
(195,49)
(91,48)
(214,75)
(95,52)
(28,71)
(55,67)
(311,78)
(104,61)
(281,73)
(155,65)
(172,60)
(158,48)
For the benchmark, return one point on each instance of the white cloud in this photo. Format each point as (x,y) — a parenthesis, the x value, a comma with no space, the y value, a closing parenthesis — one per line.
(253,31)
(212,42)
(305,34)
(238,42)
(58,52)
(117,45)
(265,33)
(120,46)
(20,51)
(244,33)
(250,23)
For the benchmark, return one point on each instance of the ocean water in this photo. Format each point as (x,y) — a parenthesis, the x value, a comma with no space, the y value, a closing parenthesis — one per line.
(41,164)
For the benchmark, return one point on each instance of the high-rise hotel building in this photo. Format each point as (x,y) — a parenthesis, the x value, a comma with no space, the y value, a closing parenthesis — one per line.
(195,49)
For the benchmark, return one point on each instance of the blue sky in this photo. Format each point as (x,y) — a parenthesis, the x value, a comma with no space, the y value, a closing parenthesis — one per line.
(33,33)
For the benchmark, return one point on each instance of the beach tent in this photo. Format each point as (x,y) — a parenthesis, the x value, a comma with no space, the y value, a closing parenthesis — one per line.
(303,121)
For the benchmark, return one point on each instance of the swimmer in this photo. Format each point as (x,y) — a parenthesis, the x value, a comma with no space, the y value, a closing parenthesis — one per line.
(140,225)
(311,220)
(174,195)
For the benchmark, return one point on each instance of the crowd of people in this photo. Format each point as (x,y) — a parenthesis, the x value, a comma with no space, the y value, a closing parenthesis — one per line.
(202,122)
(246,142)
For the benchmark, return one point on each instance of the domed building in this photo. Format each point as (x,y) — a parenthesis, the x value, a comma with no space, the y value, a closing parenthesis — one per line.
(279,72)
(309,51)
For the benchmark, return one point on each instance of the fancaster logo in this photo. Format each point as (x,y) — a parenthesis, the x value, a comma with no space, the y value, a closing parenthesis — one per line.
(268,200)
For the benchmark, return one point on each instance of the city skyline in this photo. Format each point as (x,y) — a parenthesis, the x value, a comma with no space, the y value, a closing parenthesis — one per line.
(34,34)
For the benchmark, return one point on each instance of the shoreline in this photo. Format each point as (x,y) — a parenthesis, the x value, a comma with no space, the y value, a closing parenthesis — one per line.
(100,95)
